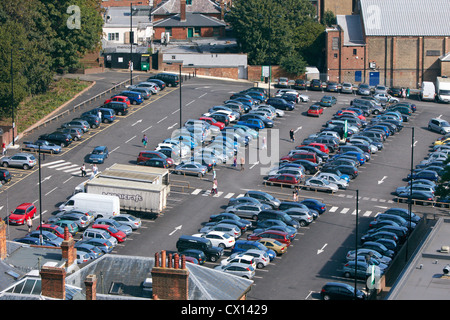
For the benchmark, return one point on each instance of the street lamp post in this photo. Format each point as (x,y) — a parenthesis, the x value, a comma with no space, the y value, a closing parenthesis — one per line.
(410,191)
(131,44)
(356,240)
(12,96)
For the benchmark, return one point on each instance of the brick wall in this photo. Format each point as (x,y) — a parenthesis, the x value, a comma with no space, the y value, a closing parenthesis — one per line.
(53,282)
(231,73)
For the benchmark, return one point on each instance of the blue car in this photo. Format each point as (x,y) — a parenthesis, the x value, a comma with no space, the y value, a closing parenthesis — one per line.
(361,157)
(424,174)
(315,204)
(134,96)
(99,154)
(244,245)
(252,123)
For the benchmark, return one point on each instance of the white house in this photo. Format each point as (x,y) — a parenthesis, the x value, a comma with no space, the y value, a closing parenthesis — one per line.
(116,28)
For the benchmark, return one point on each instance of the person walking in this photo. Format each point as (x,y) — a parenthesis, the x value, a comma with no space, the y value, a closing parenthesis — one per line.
(214,187)
(295,194)
(4,149)
(83,170)
(99,115)
(263,144)
(291,135)
(145,141)
(29,224)
(242,163)
(234,161)
(94,169)
(214,174)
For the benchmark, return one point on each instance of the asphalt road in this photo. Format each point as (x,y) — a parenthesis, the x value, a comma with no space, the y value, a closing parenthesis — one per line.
(318,250)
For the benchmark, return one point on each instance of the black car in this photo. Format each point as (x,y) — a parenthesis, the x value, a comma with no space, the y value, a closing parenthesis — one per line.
(280,103)
(170,79)
(155,162)
(5,176)
(120,108)
(299,84)
(310,167)
(59,138)
(395,92)
(92,119)
(220,118)
(315,85)
(341,291)
(351,171)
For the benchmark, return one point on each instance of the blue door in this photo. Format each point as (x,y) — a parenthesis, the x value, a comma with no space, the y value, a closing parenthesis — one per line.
(374,78)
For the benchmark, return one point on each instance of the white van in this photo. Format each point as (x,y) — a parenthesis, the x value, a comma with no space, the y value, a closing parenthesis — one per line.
(427,91)
(104,206)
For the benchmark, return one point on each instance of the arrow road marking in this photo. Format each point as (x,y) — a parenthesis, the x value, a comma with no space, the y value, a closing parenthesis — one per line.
(382,180)
(321,250)
(176,228)
(140,120)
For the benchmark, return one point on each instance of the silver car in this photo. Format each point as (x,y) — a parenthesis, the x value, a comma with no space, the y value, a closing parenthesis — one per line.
(111,222)
(129,220)
(334,178)
(246,210)
(20,160)
(232,230)
(261,257)
(191,168)
(321,185)
(238,269)
(347,87)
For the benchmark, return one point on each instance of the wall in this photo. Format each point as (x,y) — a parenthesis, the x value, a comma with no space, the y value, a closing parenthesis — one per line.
(254,73)
(221,72)
(124,3)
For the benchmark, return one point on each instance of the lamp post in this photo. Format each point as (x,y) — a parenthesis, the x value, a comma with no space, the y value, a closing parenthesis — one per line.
(410,191)
(356,240)
(131,44)
(12,96)
(181,118)
(40,197)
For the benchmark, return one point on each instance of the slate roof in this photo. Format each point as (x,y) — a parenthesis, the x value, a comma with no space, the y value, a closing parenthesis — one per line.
(120,17)
(351,25)
(173,6)
(406,17)
(192,20)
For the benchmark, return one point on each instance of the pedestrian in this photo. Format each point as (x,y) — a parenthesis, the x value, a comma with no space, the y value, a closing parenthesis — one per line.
(29,224)
(291,135)
(242,163)
(94,169)
(263,145)
(214,187)
(4,149)
(234,161)
(83,170)
(99,115)
(214,174)
(145,141)
(403,93)
(295,194)
(407,92)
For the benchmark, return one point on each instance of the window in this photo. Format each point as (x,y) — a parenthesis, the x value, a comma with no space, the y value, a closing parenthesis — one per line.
(188,2)
(355,52)
(197,31)
(335,55)
(335,43)
(168,30)
(113,36)
(433,53)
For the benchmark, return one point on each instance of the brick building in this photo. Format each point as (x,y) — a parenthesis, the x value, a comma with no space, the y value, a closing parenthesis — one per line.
(395,44)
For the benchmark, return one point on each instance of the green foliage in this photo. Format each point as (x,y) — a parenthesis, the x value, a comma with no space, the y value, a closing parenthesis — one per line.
(294,63)
(328,18)
(443,188)
(276,31)
(42,43)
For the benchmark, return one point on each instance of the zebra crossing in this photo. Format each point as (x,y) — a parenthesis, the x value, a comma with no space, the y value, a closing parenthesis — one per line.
(332,209)
(65,166)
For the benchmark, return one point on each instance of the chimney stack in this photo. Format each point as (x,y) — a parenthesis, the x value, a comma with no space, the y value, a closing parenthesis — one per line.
(53,281)
(183,10)
(3,251)
(170,283)
(222,9)
(68,249)
(91,287)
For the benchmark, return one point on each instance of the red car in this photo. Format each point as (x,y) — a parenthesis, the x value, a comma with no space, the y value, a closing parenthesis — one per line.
(321,146)
(280,236)
(119,235)
(213,122)
(351,112)
(119,99)
(284,178)
(53,228)
(301,155)
(146,155)
(21,213)
(315,111)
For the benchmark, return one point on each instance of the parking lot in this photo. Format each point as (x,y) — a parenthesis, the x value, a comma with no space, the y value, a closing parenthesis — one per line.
(317,253)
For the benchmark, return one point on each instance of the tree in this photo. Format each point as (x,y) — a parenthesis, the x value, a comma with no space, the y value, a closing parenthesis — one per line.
(272,31)
(328,18)
(443,188)
(294,63)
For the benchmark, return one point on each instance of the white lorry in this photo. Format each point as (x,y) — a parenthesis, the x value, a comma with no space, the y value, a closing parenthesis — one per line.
(104,206)
(141,190)
(427,91)
(443,89)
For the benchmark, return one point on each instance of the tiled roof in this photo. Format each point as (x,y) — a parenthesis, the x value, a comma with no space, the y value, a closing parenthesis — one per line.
(198,6)
(351,25)
(192,20)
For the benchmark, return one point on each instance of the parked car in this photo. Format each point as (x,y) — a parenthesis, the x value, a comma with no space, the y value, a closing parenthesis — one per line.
(99,154)
(111,222)
(128,220)
(5,176)
(42,145)
(341,291)
(120,108)
(439,125)
(147,155)
(278,247)
(191,168)
(280,103)
(22,212)
(328,101)
(118,98)
(241,257)
(315,111)
(347,87)
(263,197)
(285,178)
(362,270)
(19,160)
(315,204)
(47,236)
(218,239)
(238,269)
(117,234)
(80,124)
(321,184)
(280,236)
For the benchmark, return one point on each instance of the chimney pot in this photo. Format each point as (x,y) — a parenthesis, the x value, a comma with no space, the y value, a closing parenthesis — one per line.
(177,261)
(169,261)
(163,258)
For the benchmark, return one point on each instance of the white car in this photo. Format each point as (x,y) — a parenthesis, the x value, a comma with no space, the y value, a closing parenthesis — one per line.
(334,178)
(231,115)
(185,151)
(321,184)
(218,239)
(240,257)
(238,269)
(261,257)
(278,112)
